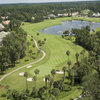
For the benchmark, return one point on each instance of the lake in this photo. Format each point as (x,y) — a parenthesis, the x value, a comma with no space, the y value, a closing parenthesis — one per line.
(68,25)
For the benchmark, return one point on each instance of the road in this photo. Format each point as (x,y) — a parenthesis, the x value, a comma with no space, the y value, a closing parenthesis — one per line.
(44,54)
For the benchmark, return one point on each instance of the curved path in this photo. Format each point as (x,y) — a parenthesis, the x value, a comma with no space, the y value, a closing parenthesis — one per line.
(44,54)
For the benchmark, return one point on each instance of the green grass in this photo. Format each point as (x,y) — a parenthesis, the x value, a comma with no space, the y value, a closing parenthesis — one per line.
(87,19)
(55,48)
(56,45)
(72,94)
(22,62)
(97,29)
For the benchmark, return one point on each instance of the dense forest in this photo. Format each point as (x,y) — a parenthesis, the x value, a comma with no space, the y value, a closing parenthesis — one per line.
(89,71)
(13,48)
(25,12)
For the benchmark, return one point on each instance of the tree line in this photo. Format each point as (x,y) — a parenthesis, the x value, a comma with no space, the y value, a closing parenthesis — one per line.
(87,70)
(13,48)
(25,12)
(89,41)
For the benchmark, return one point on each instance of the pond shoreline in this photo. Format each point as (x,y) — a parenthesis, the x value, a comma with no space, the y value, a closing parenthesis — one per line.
(69,25)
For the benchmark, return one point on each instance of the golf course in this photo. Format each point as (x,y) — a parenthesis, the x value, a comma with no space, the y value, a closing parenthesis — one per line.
(55,48)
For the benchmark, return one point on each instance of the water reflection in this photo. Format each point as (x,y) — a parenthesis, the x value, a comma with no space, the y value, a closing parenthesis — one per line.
(68,25)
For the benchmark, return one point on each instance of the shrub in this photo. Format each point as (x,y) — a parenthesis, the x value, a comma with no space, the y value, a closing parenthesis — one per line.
(26,60)
(66,88)
(3,95)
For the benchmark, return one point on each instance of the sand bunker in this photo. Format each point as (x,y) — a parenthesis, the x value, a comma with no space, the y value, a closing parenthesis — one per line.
(30,79)
(59,72)
(29,66)
(21,74)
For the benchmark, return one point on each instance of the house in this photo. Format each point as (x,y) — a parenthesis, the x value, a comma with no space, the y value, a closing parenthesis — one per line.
(51,16)
(6,22)
(2,34)
(63,15)
(60,15)
(96,15)
(33,18)
(75,13)
(3,18)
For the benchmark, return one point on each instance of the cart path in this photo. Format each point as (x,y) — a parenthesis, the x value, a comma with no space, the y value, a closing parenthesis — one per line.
(44,54)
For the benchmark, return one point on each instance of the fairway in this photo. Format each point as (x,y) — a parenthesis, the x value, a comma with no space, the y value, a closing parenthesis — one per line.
(49,49)
(55,48)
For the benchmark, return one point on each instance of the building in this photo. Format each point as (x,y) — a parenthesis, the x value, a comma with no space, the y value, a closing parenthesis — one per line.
(60,15)
(63,15)
(2,34)
(51,16)
(96,15)
(75,13)
(33,18)
(3,18)
(6,22)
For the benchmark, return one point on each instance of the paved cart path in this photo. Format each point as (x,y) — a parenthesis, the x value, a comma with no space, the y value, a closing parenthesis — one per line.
(44,54)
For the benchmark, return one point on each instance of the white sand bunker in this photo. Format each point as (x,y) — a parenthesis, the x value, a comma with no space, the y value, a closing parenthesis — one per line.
(59,72)
(30,79)
(44,80)
(29,66)
(21,74)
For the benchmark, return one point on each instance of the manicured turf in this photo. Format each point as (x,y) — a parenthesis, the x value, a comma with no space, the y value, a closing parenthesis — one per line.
(56,45)
(55,49)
